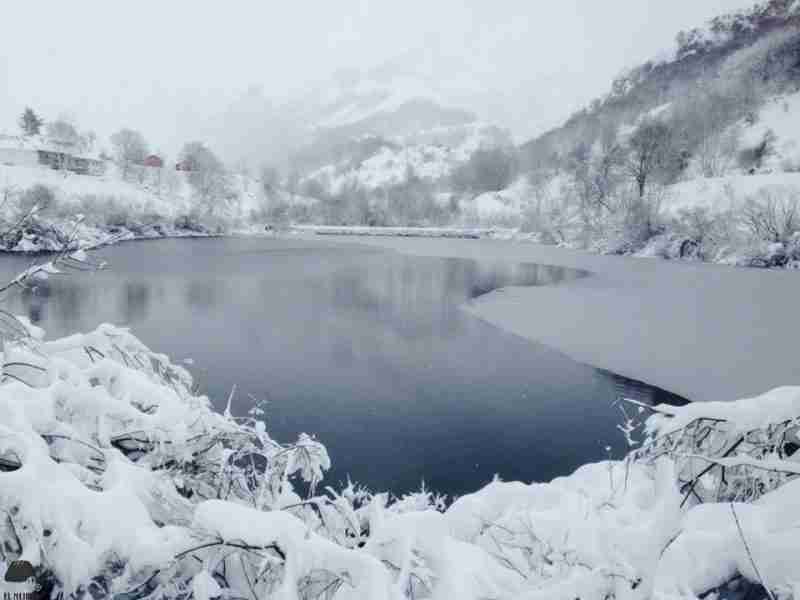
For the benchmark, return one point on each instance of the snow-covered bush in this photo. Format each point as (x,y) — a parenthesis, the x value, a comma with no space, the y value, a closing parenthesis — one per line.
(773,215)
(703,233)
(635,221)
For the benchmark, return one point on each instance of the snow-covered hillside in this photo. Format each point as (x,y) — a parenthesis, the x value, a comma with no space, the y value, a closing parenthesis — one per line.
(730,192)
(94,209)
(431,155)
(168,199)
(781,117)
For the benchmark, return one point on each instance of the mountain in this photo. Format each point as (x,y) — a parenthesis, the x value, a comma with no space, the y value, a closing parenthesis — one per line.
(755,49)
(695,154)
(395,101)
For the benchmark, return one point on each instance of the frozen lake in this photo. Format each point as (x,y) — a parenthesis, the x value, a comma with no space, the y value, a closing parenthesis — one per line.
(366,348)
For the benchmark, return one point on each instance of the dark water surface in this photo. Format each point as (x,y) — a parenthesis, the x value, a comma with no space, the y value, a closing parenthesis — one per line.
(366,349)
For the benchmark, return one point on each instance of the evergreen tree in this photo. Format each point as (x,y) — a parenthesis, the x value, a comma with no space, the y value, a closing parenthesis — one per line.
(29,122)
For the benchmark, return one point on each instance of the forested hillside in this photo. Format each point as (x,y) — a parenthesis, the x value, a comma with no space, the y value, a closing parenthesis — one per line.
(661,163)
(692,156)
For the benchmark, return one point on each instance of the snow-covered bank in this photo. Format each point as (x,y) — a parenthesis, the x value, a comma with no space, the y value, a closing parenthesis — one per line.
(426,232)
(43,209)
(96,426)
(36,237)
(706,332)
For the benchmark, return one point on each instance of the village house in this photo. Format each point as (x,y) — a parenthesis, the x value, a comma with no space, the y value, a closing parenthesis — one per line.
(153,161)
(36,151)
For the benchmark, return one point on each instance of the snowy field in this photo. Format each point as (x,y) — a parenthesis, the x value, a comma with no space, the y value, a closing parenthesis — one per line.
(726,193)
(705,332)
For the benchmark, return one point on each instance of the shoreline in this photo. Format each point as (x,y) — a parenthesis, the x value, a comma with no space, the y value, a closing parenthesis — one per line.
(98,237)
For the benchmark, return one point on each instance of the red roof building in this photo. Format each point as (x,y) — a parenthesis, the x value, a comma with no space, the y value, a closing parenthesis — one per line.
(153,161)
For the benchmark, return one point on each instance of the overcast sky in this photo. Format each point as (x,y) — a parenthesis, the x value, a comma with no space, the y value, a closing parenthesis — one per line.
(161,66)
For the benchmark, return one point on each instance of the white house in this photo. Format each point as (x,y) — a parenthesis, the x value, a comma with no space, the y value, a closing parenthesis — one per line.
(36,151)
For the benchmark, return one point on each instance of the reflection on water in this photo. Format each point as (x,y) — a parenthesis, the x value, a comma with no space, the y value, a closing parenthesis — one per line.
(367,349)
(202,295)
(135,301)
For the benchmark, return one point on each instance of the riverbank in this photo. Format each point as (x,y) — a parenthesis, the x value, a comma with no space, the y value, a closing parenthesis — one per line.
(38,237)
(705,332)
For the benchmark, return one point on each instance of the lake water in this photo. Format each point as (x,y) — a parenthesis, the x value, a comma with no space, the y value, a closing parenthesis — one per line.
(366,349)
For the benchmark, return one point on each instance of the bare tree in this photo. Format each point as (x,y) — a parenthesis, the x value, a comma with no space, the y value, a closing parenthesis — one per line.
(293,183)
(130,148)
(607,165)
(773,217)
(86,141)
(270,180)
(648,147)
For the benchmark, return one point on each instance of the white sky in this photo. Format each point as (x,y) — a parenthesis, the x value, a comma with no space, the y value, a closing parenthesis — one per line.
(163,66)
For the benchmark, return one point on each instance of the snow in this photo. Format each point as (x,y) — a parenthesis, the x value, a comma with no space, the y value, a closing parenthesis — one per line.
(660,111)
(503,205)
(112,209)
(706,332)
(725,193)
(781,115)
(85,524)
(205,587)
(431,155)
(390,167)
(72,185)
(711,530)
(780,404)
(40,142)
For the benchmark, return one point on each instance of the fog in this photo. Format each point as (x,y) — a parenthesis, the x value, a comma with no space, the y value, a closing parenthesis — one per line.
(174,70)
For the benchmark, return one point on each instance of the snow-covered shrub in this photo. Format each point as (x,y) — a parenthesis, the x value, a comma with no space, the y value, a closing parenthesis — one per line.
(728,451)
(554,225)
(703,233)
(636,221)
(117,215)
(128,438)
(772,215)
(697,224)
(189,222)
